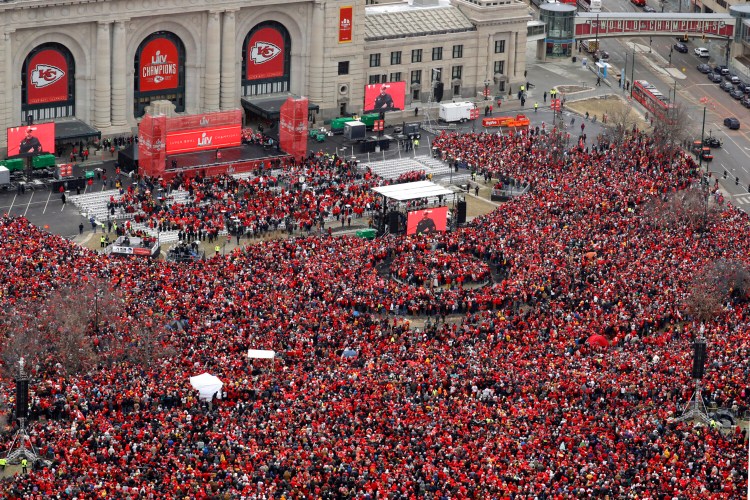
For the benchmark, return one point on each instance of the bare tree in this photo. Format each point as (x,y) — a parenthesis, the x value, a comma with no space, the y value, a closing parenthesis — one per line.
(620,123)
(670,130)
(715,284)
(690,208)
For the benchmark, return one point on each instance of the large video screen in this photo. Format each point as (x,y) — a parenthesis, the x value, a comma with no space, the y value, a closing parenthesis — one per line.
(383,97)
(431,220)
(31,140)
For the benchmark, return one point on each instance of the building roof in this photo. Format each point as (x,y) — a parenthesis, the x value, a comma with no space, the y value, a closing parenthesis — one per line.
(412,190)
(383,24)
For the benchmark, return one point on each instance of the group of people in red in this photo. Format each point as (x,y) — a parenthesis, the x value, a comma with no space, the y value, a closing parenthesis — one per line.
(497,396)
(439,268)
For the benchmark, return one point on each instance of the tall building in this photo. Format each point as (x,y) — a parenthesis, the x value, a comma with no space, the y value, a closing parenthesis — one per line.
(103,62)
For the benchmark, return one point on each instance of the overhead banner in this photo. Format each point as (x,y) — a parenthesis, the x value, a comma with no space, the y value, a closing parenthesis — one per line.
(202,139)
(47,75)
(32,140)
(159,66)
(265,54)
(383,97)
(345,24)
(293,127)
(429,221)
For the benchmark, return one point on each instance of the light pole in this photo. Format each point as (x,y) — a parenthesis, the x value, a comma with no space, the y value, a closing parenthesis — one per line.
(487,89)
(632,73)
(597,32)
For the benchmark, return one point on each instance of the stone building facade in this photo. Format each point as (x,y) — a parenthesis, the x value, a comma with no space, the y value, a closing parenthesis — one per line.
(103,61)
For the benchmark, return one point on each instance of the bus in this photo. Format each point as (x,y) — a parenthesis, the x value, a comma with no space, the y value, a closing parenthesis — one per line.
(590,5)
(654,101)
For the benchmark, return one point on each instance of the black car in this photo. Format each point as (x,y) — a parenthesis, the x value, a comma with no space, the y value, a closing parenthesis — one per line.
(732,123)
(712,142)
(680,47)
(726,86)
(704,68)
(745,101)
(742,85)
(714,77)
(732,78)
(721,69)
(737,94)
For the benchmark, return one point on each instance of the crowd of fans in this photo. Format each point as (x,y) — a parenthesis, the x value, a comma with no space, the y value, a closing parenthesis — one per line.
(439,268)
(501,397)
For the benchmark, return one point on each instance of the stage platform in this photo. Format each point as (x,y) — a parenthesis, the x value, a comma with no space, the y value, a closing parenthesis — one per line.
(243,153)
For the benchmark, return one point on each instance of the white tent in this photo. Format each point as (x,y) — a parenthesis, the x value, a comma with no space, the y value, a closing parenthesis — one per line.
(260,354)
(207,385)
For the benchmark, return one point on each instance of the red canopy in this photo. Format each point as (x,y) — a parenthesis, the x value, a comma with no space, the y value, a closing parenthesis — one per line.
(599,340)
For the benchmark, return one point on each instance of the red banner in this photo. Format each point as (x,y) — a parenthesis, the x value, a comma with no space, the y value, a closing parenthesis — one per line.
(31,140)
(201,139)
(293,127)
(47,77)
(427,221)
(159,66)
(265,54)
(345,24)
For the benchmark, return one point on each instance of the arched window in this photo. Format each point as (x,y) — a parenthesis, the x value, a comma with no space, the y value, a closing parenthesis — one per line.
(266,59)
(159,72)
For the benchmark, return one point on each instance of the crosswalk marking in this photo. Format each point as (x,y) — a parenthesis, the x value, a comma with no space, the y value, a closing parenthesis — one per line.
(742,199)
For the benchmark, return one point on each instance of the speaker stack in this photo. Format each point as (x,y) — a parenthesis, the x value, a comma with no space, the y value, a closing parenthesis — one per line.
(461,212)
(393,222)
(22,398)
(699,359)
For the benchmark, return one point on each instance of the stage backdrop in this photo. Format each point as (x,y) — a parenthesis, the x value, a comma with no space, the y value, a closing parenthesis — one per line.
(293,127)
(160,136)
(427,221)
(41,140)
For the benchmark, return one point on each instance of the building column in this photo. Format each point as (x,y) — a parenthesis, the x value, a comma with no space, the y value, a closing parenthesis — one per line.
(102,84)
(317,90)
(512,45)
(119,75)
(211,81)
(5,82)
(228,63)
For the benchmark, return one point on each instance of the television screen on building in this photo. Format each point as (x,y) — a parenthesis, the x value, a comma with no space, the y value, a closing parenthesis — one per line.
(384,97)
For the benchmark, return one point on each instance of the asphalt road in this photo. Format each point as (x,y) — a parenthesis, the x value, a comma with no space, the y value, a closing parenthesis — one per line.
(653,62)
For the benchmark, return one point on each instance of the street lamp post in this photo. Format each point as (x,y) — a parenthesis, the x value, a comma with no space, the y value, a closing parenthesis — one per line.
(597,32)
(487,89)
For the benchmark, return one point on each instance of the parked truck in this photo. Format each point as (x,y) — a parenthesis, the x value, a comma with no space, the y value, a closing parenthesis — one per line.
(4,177)
(456,111)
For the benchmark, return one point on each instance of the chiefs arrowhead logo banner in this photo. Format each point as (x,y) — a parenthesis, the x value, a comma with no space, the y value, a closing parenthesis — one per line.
(345,24)
(265,54)
(47,77)
(159,66)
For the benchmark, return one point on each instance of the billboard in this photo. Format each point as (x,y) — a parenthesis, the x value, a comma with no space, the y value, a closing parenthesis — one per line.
(31,140)
(382,97)
(431,220)
(47,77)
(265,54)
(345,24)
(159,66)
(201,139)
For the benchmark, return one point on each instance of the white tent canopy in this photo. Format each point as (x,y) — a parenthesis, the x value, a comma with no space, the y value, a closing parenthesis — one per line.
(207,385)
(260,354)
(412,190)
